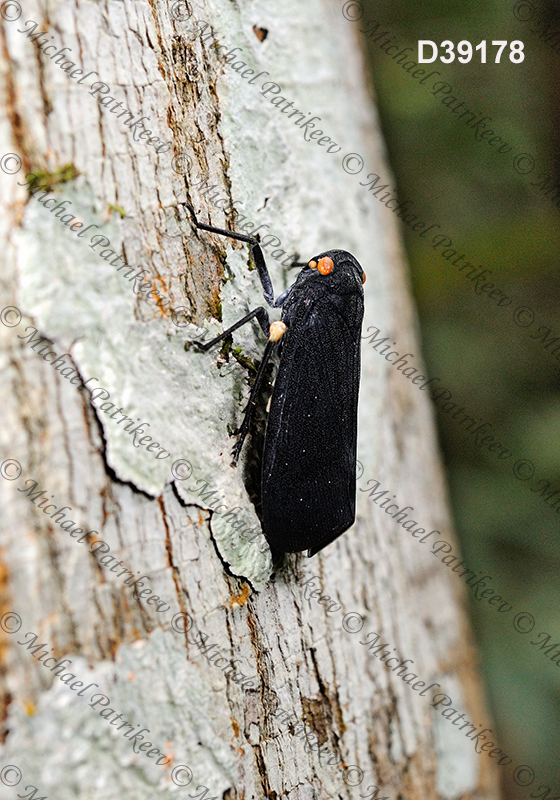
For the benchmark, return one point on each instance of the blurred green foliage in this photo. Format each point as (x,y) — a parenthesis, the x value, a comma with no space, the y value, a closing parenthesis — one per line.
(492,366)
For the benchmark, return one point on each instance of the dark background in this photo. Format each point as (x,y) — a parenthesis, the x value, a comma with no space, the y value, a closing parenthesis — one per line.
(491,365)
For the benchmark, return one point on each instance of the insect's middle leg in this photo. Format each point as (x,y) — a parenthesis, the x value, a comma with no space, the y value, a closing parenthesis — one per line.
(260,313)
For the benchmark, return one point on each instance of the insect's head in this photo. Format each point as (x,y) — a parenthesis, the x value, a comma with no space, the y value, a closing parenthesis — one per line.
(339,264)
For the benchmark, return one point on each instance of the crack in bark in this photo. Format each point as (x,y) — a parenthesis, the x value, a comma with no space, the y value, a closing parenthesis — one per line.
(16,122)
(175,573)
(5,606)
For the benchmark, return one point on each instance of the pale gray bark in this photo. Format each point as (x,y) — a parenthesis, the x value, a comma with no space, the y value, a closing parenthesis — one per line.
(301,657)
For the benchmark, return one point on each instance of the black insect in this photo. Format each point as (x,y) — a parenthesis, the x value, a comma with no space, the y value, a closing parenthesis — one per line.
(309,460)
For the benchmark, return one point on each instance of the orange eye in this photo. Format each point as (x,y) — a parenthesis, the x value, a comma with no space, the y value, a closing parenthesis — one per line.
(363,277)
(325,265)
(312,265)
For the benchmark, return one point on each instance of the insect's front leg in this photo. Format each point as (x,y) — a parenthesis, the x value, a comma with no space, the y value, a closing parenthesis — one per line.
(256,252)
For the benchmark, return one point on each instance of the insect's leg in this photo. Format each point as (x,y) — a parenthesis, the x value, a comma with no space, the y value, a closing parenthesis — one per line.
(280,299)
(256,252)
(243,431)
(277,330)
(264,277)
(262,315)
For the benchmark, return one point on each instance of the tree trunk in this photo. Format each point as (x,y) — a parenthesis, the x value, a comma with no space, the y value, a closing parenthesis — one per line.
(285,657)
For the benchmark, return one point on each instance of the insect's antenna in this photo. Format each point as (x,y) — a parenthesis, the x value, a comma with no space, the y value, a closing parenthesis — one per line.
(295,264)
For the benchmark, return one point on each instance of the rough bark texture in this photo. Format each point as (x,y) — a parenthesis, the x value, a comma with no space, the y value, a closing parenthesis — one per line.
(301,658)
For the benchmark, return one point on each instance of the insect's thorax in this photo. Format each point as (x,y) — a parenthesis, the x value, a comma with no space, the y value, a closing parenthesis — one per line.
(313,296)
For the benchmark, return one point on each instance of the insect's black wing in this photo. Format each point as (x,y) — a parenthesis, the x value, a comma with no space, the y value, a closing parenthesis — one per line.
(309,462)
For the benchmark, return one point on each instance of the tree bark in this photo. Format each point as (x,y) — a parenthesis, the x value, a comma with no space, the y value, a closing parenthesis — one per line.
(301,660)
